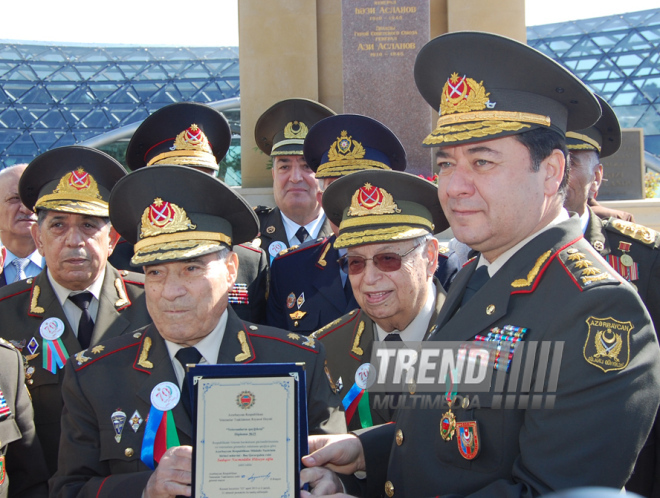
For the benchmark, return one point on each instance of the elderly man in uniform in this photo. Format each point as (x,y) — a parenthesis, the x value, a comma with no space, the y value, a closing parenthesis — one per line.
(632,250)
(280,133)
(386,223)
(198,136)
(79,299)
(504,110)
(22,259)
(307,287)
(182,237)
(23,471)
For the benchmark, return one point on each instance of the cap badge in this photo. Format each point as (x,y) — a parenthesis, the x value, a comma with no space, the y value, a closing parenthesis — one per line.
(341,149)
(192,139)
(78,180)
(164,217)
(463,94)
(300,130)
(370,200)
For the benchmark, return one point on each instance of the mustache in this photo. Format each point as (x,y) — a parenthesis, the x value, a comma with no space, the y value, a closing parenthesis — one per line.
(74,255)
(32,217)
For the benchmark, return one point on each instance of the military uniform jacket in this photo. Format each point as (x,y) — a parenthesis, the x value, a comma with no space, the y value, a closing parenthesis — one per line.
(23,470)
(271,227)
(306,291)
(26,304)
(558,288)
(348,342)
(248,296)
(121,373)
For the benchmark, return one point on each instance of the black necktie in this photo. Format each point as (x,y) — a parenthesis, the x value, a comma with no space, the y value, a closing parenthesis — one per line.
(476,282)
(302,234)
(86,325)
(187,356)
(393,336)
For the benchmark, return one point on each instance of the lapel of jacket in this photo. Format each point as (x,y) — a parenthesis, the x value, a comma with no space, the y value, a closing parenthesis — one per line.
(595,235)
(440,299)
(272,229)
(44,304)
(456,291)
(109,320)
(326,229)
(153,366)
(327,280)
(236,346)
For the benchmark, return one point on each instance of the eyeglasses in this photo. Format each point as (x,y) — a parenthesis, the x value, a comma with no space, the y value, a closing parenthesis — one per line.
(387,262)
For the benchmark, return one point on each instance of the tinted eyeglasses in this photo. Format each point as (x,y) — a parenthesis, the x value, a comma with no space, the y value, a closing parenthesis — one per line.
(387,262)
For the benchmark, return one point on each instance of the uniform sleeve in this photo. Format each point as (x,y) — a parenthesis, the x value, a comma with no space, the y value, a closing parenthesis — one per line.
(324,416)
(275,314)
(81,470)
(26,466)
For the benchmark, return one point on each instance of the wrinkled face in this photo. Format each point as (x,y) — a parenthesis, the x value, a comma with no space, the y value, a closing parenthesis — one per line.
(186,299)
(15,219)
(583,180)
(393,299)
(490,194)
(295,187)
(76,247)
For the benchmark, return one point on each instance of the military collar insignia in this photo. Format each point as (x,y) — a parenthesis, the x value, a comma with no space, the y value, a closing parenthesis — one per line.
(370,200)
(356,349)
(122,298)
(245,353)
(529,280)
(144,354)
(34,306)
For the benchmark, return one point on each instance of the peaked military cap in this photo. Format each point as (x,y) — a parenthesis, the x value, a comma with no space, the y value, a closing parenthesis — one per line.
(487,86)
(185,134)
(71,179)
(345,143)
(381,205)
(281,130)
(604,137)
(174,213)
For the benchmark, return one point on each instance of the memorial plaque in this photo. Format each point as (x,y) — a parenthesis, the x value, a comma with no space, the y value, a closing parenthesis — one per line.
(381,39)
(624,170)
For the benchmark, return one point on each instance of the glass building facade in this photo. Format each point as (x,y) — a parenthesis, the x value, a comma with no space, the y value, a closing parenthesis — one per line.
(51,96)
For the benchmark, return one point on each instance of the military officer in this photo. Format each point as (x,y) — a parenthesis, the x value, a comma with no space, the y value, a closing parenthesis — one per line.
(182,237)
(307,287)
(23,470)
(504,109)
(631,249)
(198,136)
(280,133)
(79,299)
(388,218)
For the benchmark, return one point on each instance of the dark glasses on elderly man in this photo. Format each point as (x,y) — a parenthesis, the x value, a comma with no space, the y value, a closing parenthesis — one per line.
(386,261)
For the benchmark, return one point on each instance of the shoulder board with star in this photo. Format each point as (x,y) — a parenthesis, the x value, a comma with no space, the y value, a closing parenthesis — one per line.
(132,277)
(586,268)
(287,250)
(640,233)
(336,324)
(301,341)
(296,249)
(15,289)
(470,261)
(262,210)
(86,357)
(251,247)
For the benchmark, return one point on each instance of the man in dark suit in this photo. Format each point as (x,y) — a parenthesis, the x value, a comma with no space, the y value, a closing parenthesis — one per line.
(388,218)
(23,471)
(183,238)
(79,299)
(196,135)
(280,133)
(632,250)
(536,285)
(22,260)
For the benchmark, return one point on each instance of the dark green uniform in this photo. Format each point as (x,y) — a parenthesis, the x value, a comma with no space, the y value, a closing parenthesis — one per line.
(25,305)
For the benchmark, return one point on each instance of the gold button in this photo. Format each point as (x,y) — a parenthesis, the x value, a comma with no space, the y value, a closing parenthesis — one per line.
(129,452)
(399,437)
(389,489)
(30,381)
(572,250)
(295,324)
(490,309)
(29,281)
(465,403)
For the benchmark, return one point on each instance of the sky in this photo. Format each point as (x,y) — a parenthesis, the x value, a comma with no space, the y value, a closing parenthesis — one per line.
(158,23)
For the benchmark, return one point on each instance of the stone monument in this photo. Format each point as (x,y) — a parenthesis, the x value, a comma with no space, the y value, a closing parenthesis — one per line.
(623,172)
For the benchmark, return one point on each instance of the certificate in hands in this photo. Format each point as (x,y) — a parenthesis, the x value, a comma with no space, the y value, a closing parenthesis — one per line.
(249,429)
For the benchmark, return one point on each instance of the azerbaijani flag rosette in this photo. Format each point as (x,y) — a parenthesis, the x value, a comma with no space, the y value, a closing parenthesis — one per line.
(55,353)
(160,432)
(357,398)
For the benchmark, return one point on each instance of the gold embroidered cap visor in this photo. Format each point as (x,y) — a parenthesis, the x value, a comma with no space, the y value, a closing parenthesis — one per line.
(486,86)
(175,213)
(183,134)
(281,130)
(604,137)
(73,179)
(377,206)
(346,143)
